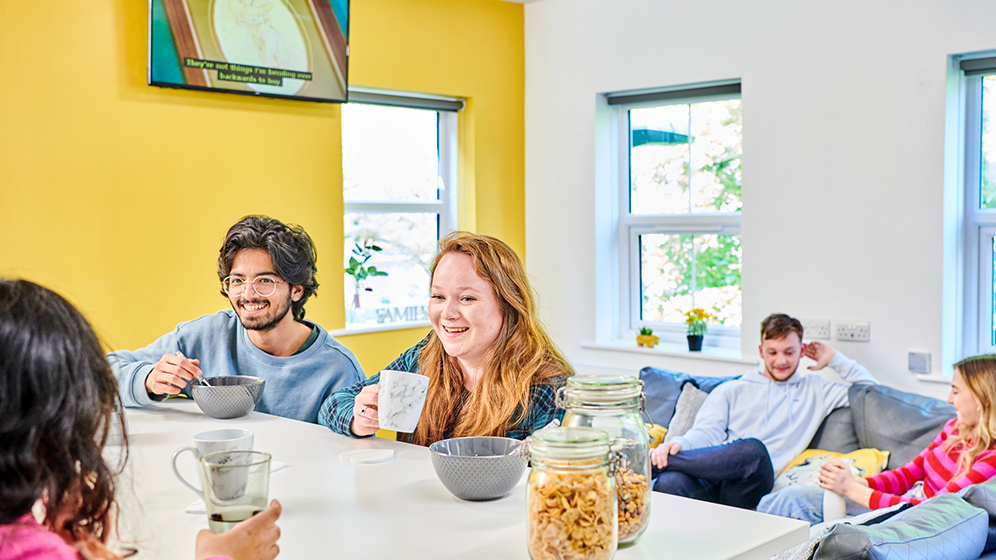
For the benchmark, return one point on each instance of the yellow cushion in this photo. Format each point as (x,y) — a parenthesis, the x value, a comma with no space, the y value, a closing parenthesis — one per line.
(805,468)
(657,433)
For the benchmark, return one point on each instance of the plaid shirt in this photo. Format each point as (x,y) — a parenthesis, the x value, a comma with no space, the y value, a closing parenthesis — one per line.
(337,410)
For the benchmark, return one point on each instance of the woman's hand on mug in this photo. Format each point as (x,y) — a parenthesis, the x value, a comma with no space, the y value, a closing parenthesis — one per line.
(365,420)
(836,477)
(253,539)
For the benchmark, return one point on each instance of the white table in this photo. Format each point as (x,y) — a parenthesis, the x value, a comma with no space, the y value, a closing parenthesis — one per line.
(397,509)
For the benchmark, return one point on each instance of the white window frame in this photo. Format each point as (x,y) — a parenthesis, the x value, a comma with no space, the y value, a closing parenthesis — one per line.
(979,230)
(631,226)
(445,207)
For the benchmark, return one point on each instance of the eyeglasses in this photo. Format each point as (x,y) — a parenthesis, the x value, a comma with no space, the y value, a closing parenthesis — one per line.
(262,285)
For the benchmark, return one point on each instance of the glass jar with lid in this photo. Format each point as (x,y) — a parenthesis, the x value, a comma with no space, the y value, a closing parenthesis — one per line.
(570,495)
(615,404)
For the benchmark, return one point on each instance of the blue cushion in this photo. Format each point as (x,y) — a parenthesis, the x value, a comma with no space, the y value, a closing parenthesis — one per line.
(663,387)
(945,526)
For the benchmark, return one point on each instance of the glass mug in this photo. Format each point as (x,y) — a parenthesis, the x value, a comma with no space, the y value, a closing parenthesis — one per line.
(236,486)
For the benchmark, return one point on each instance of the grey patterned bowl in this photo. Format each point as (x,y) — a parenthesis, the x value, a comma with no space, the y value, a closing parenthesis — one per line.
(229,396)
(478,468)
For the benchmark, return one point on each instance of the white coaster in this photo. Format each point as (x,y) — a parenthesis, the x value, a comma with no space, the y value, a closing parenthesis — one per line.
(366,456)
(196,507)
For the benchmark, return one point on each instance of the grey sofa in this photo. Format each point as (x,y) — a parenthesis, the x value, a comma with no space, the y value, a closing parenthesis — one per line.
(879,416)
(957,526)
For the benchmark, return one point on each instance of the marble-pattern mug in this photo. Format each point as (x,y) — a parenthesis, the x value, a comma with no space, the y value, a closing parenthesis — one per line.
(400,399)
(233,439)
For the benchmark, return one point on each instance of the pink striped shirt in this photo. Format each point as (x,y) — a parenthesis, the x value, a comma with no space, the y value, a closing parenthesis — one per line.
(935,468)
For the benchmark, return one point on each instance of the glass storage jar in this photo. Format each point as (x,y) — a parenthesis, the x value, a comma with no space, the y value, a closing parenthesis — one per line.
(615,404)
(570,495)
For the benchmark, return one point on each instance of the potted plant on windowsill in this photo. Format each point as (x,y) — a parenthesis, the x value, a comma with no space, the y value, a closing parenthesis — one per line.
(647,338)
(697,327)
(359,270)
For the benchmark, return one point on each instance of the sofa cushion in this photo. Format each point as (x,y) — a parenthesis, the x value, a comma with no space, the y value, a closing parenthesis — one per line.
(984,496)
(656,433)
(945,526)
(688,405)
(903,423)
(662,388)
(836,433)
(805,468)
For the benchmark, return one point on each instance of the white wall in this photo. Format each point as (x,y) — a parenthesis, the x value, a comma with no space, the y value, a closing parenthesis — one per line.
(844,106)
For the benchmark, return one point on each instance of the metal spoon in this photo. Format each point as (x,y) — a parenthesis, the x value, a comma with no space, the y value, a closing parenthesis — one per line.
(199,378)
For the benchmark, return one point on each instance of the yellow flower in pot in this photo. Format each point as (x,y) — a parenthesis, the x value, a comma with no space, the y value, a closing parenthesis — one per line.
(697,327)
(647,338)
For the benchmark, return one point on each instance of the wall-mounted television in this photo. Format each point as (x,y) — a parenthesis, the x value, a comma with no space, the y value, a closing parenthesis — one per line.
(279,48)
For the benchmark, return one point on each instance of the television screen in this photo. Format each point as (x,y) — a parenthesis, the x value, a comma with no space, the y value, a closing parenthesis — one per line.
(279,48)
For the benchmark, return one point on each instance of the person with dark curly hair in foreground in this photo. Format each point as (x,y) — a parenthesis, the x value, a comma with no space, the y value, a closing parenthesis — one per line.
(57,395)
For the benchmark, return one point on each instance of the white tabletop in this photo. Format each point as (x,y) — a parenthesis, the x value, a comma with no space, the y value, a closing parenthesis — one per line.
(396,509)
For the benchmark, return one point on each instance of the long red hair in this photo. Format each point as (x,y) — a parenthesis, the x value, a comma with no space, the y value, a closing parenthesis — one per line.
(522,356)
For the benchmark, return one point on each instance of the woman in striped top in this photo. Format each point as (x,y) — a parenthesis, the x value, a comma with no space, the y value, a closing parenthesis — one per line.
(963,453)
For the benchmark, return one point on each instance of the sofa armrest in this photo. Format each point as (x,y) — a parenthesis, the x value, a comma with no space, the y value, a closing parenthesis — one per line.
(943,527)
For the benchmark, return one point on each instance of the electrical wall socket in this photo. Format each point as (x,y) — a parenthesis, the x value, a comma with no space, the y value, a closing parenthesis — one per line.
(919,362)
(853,331)
(816,329)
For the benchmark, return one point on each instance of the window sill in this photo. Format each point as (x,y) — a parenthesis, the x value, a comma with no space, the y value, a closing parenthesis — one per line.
(933,378)
(710,353)
(380,328)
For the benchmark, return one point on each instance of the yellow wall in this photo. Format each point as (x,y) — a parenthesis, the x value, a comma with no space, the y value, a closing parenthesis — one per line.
(118,194)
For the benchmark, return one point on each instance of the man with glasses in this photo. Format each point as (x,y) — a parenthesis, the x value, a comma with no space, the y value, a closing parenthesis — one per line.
(267,270)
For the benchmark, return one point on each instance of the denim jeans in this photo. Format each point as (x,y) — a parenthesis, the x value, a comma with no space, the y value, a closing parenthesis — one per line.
(803,502)
(736,474)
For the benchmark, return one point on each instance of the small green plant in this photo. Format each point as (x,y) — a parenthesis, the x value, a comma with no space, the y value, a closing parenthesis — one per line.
(696,320)
(358,268)
(646,331)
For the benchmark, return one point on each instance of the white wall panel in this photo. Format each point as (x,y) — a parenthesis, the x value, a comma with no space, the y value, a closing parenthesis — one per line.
(844,107)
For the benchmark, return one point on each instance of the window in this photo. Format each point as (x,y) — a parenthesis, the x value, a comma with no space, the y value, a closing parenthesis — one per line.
(399,194)
(679,210)
(980,204)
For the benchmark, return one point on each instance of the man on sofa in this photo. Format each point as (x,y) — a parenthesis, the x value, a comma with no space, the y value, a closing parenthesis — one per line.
(749,428)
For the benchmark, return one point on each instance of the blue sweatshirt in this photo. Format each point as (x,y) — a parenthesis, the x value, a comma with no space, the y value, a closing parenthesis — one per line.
(295,385)
(784,415)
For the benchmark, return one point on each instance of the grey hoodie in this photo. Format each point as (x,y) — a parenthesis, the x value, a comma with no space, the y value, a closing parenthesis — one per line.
(784,415)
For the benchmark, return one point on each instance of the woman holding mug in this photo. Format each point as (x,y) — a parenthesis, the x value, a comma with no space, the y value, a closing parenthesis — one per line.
(57,395)
(964,453)
(492,369)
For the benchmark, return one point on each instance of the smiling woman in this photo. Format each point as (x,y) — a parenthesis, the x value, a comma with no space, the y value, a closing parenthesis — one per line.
(492,369)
